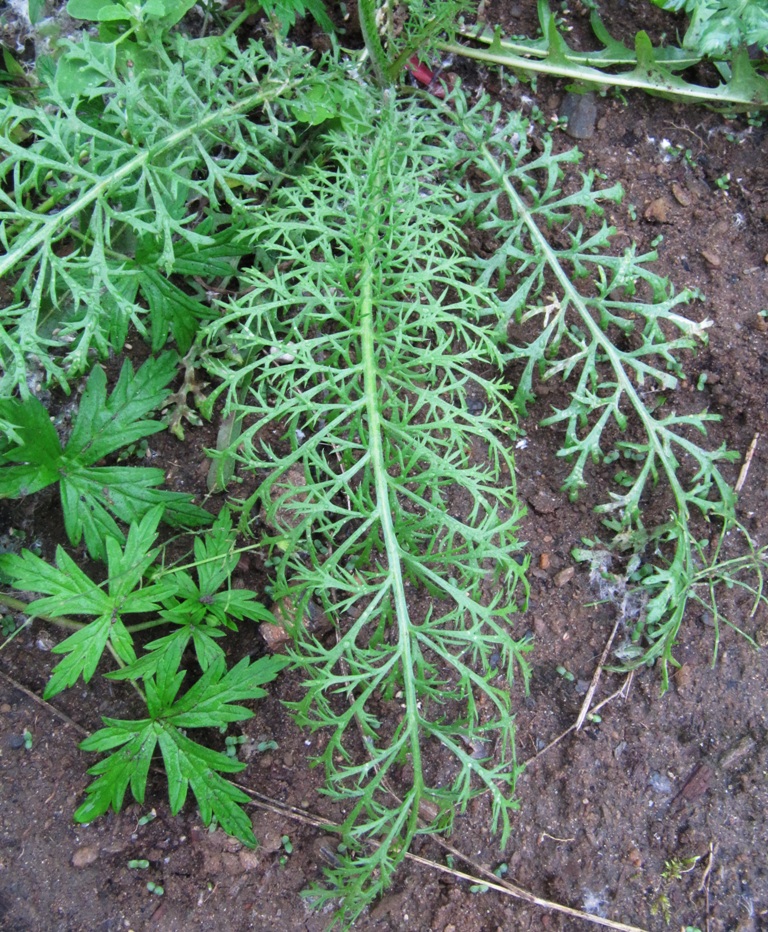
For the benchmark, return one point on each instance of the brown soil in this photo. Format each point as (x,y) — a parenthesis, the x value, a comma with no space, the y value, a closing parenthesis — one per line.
(602,812)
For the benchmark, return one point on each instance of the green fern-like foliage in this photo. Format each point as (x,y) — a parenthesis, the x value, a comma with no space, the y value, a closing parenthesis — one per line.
(101,199)
(613,330)
(365,372)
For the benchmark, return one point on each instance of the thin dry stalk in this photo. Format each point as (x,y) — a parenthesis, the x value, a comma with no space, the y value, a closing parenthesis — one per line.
(747,461)
(623,692)
(44,703)
(483,875)
(596,677)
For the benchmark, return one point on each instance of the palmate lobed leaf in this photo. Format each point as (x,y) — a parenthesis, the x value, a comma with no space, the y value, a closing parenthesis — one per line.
(204,601)
(211,700)
(30,438)
(105,423)
(157,651)
(69,591)
(92,495)
(127,767)
(173,311)
(208,703)
(197,609)
(95,497)
(84,649)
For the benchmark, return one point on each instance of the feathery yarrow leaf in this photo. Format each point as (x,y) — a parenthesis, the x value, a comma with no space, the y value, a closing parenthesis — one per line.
(363,370)
(98,202)
(612,328)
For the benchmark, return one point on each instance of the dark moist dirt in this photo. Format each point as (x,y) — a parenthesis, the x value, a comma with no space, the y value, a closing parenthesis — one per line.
(603,813)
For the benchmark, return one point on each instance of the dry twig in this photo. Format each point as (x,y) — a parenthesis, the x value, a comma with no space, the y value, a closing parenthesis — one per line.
(747,461)
(623,692)
(44,703)
(596,677)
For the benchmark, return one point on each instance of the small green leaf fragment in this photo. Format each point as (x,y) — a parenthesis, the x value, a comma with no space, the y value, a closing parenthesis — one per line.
(85,9)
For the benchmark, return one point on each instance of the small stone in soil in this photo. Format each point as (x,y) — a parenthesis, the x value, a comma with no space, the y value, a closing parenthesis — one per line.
(16,742)
(564,577)
(544,503)
(660,783)
(658,211)
(684,677)
(84,856)
(249,860)
(475,405)
(682,194)
(581,112)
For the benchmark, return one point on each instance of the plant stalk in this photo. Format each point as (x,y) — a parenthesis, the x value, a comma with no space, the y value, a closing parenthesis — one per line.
(17,605)
(379,61)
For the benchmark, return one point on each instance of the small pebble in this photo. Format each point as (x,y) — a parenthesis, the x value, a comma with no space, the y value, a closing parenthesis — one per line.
(712,257)
(5,707)
(581,112)
(544,503)
(564,576)
(682,194)
(658,211)
(85,856)
(16,742)
(684,677)
(475,406)
(634,857)
(544,561)
(660,783)
(249,860)
(276,636)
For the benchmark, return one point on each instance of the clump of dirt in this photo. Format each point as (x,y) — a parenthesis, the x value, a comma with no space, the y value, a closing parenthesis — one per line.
(652,814)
